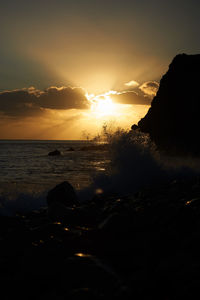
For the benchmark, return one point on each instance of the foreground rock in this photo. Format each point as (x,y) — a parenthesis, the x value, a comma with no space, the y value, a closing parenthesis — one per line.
(61,200)
(54,153)
(142,246)
(173,118)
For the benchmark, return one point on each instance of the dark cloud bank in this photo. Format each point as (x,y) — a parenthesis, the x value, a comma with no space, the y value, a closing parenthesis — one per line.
(28,102)
(138,95)
(131,97)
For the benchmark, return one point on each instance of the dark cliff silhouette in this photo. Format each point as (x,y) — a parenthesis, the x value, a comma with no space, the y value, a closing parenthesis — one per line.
(173,120)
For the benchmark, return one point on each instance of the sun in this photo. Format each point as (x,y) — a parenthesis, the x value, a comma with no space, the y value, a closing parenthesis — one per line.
(102,105)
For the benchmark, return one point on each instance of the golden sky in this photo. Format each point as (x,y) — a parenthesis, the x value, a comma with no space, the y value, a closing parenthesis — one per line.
(67,112)
(70,65)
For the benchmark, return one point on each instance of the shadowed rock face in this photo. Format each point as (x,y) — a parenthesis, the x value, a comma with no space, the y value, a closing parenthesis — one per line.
(62,193)
(173,120)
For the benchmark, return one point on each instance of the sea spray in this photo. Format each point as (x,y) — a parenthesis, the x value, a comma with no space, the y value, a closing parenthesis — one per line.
(135,164)
(22,202)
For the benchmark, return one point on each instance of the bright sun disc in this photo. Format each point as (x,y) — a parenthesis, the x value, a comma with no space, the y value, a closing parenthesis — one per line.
(102,105)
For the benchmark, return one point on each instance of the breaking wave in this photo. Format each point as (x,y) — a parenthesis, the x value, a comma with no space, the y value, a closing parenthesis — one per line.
(135,164)
(12,203)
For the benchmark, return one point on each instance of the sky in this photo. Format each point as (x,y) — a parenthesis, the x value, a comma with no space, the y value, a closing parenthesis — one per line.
(68,66)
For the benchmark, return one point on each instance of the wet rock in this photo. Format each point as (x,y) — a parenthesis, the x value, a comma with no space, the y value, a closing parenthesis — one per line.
(84,270)
(70,149)
(60,198)
(193,202)
(59,212)
(54,153)
(122,248)
(84,293)
(116,225)
(63,193)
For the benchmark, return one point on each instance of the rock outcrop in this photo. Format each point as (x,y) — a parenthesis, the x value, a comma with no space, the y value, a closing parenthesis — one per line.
(173,120)
(54,153)
(61,200)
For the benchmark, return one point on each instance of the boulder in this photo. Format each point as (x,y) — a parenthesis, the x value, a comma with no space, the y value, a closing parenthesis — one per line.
(70,149)
(134,127)
(63,193)
(54,153)
(173,118)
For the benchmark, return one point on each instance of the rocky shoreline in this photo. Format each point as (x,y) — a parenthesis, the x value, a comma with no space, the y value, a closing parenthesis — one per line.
(141,246)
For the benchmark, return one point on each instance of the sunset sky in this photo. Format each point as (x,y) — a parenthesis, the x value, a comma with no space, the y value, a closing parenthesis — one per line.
(68,66)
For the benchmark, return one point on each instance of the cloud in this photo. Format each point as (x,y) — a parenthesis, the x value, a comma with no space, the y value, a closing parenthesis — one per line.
(131,97)
(132,83)
(30,101)
(64,98)
(18,103)
(149,88)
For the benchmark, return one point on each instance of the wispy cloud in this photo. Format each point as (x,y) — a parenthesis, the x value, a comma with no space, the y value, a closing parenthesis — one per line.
(132,83)
(150,87)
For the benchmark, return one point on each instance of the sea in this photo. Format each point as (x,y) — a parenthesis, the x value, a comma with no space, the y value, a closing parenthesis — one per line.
(27,172)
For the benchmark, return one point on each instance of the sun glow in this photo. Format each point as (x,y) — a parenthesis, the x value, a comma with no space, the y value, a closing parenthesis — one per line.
(102,105)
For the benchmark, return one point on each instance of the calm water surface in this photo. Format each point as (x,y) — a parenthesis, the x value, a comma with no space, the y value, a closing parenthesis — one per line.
(25,165)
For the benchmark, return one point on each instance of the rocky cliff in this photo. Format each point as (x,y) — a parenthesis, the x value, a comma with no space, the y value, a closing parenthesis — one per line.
(173,120)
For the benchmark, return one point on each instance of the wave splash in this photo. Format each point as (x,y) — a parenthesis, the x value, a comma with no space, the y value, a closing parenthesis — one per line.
(136,163)
(21,202)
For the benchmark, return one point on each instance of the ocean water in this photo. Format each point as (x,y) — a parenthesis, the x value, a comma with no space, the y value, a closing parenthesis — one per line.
(27,172)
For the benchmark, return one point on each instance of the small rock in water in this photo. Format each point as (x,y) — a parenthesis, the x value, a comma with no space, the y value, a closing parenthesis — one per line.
(54,153)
